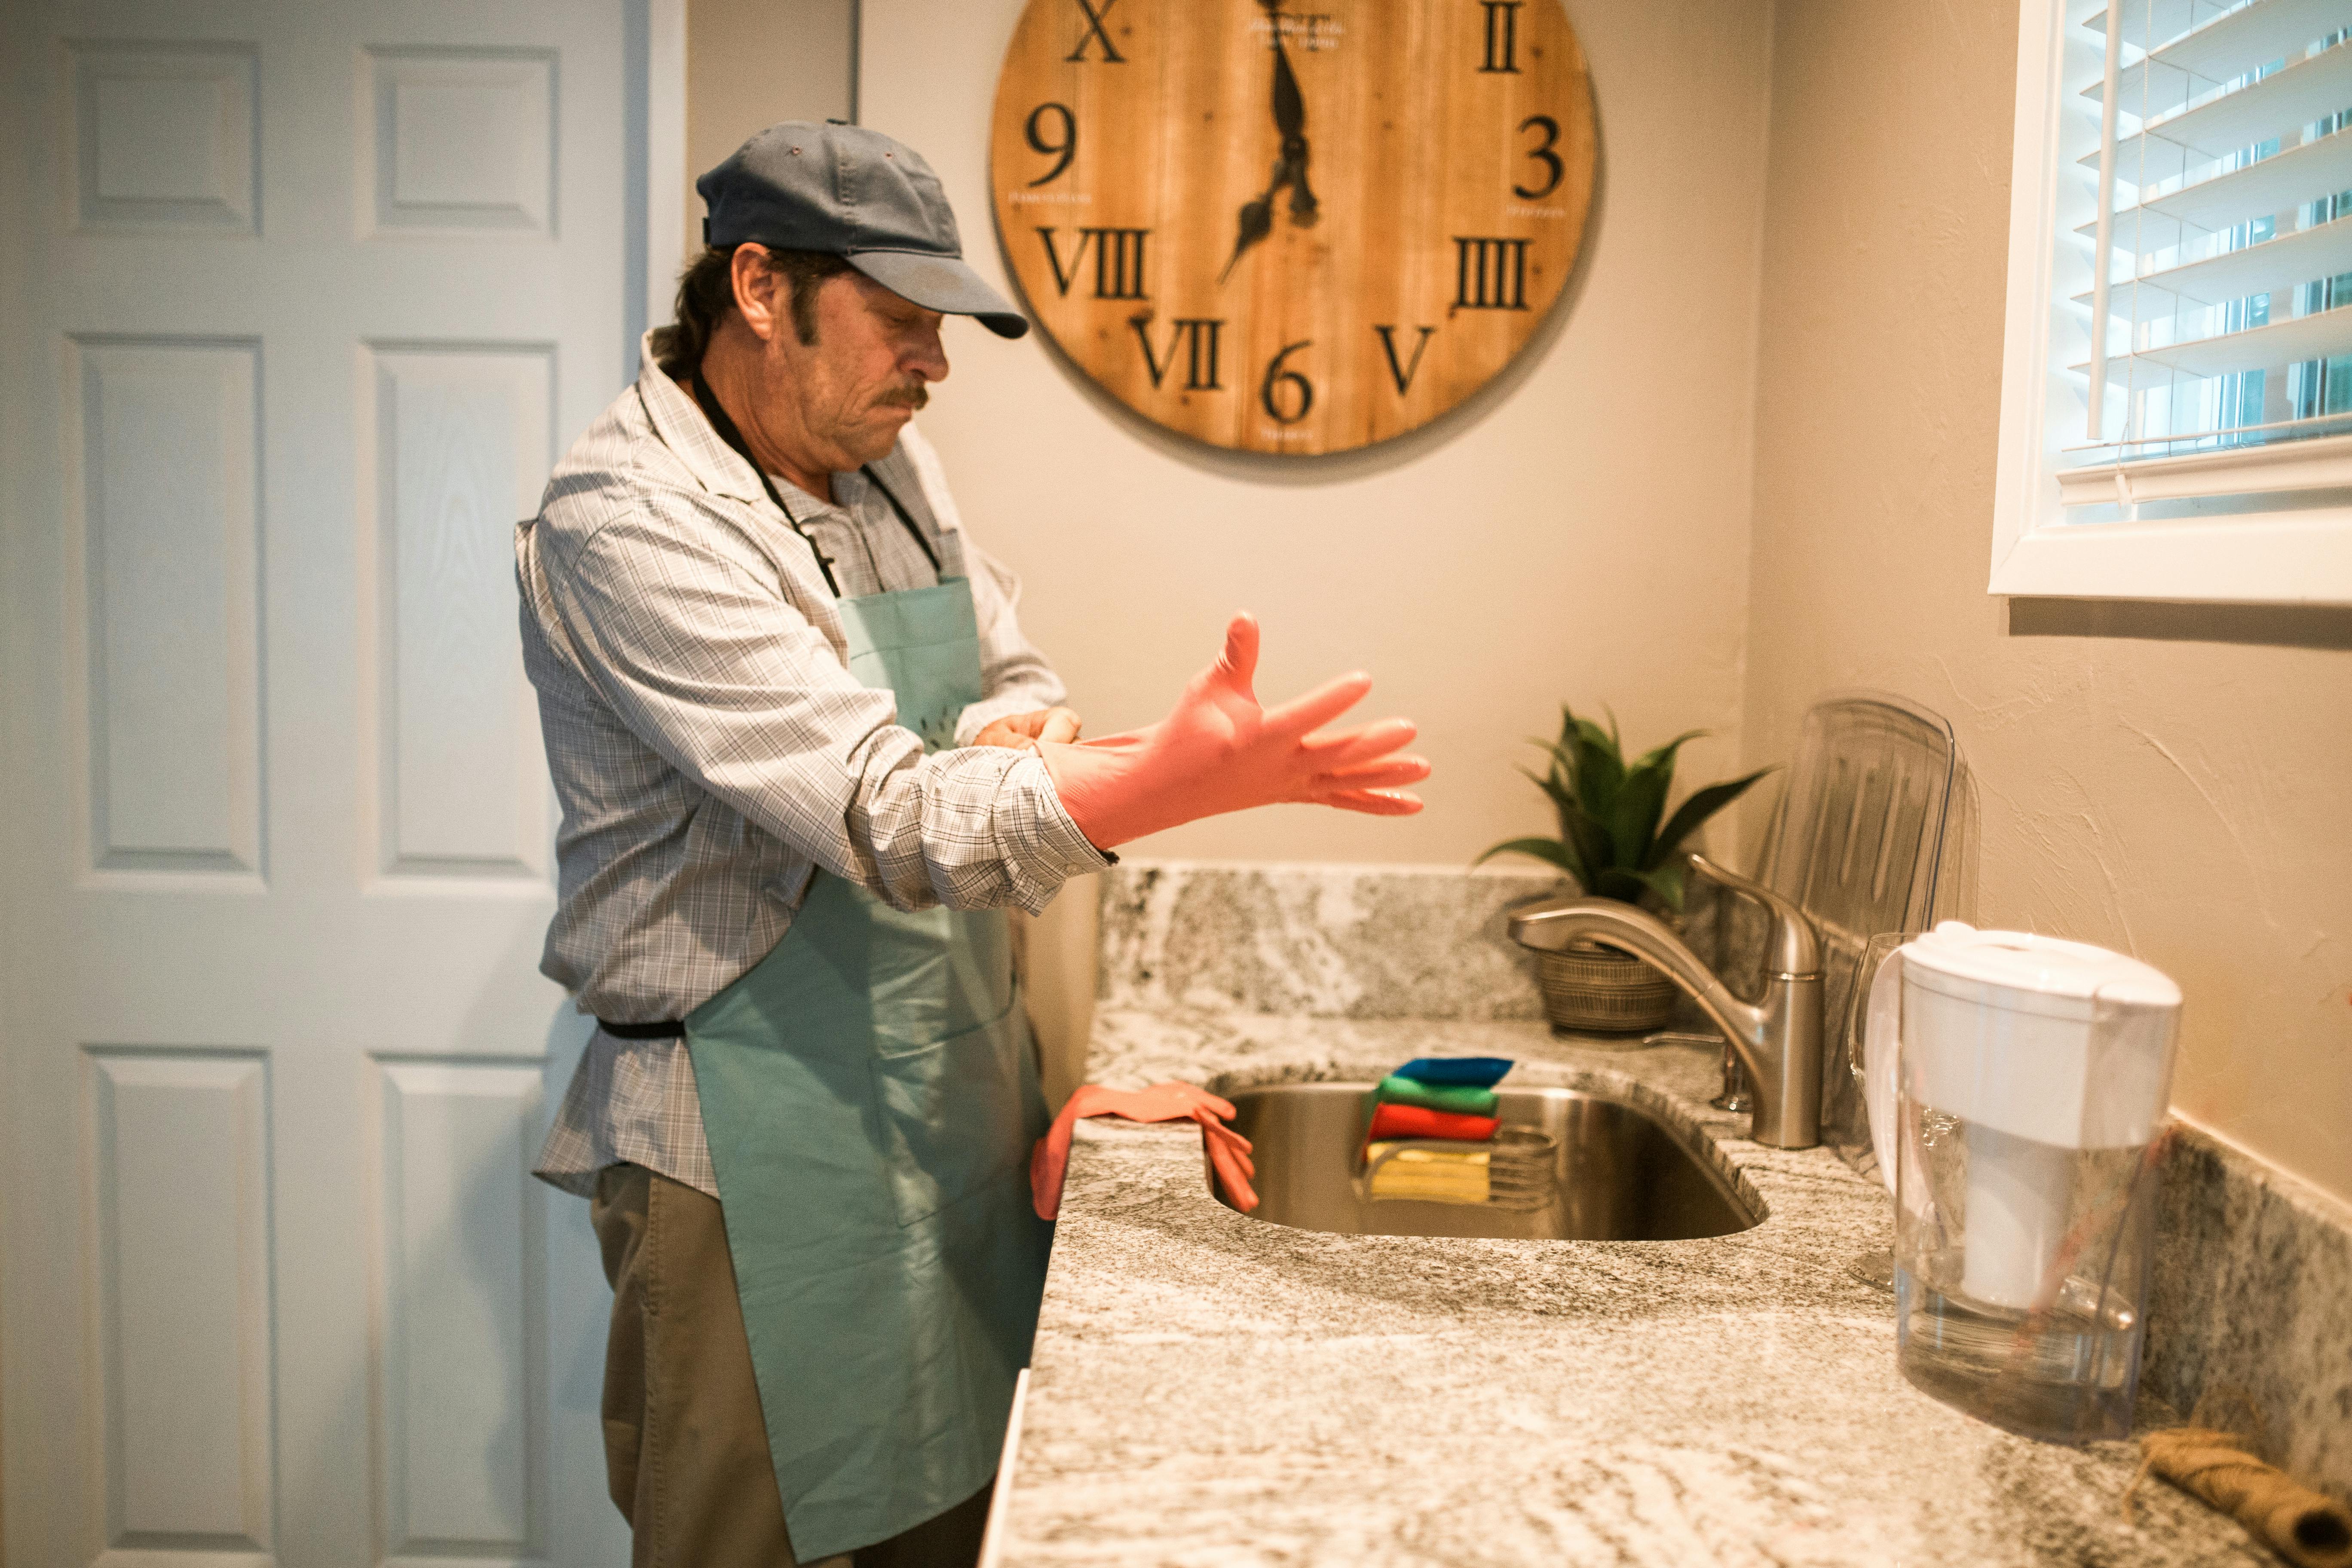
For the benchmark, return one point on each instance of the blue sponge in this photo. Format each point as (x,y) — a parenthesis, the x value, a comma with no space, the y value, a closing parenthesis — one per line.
(1479,1072)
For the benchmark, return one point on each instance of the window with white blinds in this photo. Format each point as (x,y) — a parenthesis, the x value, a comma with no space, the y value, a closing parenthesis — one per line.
(2218,171)
(2177,365)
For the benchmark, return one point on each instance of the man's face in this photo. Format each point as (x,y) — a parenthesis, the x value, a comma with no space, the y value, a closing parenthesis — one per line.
(852,391)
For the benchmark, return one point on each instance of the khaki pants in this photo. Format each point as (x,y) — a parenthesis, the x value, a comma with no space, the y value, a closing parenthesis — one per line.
(685,1452)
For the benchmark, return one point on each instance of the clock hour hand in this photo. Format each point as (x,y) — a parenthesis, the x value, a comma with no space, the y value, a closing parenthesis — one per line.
(1256,220)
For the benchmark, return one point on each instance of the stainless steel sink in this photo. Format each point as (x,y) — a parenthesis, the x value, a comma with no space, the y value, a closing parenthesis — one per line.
(1621,1174)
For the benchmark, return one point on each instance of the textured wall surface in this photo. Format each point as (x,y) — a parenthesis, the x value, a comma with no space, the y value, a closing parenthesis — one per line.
(750,63)
(2168,780)
(1579,533)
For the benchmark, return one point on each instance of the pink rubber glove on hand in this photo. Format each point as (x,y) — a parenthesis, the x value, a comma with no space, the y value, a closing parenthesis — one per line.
(1218,750)
(1229,1152)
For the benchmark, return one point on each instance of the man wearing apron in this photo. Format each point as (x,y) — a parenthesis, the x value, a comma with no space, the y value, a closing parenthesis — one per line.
(806,760)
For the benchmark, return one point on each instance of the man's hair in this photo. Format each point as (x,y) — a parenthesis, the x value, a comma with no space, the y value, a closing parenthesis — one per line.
(706,295)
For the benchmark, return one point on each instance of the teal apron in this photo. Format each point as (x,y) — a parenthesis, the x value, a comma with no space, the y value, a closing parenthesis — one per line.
(870,1097)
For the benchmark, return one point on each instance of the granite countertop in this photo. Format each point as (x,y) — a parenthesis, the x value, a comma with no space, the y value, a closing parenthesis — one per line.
(1209,1389)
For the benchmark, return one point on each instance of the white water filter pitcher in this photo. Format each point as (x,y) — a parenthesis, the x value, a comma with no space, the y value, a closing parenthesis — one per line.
(2016,1084)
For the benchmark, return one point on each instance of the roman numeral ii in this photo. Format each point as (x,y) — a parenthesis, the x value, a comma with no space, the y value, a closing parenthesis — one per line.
(1502,35)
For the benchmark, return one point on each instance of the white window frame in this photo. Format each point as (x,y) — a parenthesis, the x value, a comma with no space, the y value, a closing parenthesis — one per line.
(2301,554)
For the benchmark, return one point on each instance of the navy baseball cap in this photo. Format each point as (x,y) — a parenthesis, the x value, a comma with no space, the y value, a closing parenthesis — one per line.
(855,193)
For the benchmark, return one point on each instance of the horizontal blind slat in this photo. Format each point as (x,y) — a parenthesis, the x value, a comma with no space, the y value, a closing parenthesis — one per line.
(2317,424)
(2242,40)
(2273,185)
(2321,462)
(2277,106)
(2150,21)
(2321,336)
(2304,255)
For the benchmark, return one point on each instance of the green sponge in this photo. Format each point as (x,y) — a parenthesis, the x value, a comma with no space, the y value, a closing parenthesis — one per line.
(1461,1099)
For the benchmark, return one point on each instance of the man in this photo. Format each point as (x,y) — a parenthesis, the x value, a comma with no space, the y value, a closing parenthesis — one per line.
(806,758)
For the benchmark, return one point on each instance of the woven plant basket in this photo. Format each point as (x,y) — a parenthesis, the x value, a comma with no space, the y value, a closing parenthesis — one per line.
(1593,990)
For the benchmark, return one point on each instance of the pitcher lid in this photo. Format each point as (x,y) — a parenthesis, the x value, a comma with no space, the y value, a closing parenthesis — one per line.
(2045,966)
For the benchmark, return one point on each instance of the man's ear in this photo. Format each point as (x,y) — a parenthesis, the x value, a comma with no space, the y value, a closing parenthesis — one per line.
(759,291)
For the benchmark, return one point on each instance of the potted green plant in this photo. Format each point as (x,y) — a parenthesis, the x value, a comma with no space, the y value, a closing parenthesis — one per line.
(1612,844)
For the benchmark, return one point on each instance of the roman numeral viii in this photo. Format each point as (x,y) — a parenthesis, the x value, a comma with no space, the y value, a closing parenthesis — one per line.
(1118,261)
(1199,337)
(1490,274)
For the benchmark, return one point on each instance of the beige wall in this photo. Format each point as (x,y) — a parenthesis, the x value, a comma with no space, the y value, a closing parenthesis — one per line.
(750,63)
(2171,781)
(1584,537)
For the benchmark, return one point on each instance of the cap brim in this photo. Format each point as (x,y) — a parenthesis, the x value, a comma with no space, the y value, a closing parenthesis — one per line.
(941,283)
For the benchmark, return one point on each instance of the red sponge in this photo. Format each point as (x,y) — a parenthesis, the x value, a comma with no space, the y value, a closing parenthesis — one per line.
(1419,1121)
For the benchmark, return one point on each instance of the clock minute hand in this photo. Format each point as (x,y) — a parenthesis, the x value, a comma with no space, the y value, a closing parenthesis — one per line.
(1290,119)
(1256,216)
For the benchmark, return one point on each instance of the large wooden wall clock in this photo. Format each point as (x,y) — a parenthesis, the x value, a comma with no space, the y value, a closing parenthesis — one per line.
(1287,229)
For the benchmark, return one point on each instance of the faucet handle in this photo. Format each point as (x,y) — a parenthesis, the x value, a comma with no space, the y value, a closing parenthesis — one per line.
(1792,947)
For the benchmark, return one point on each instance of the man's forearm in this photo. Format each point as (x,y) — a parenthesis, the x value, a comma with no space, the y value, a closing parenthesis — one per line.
(977,828)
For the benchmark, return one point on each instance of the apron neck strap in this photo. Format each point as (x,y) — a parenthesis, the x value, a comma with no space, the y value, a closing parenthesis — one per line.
(913,527)
(716,413)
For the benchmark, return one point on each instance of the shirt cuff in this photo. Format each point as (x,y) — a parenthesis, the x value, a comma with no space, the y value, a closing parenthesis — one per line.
(1043,849)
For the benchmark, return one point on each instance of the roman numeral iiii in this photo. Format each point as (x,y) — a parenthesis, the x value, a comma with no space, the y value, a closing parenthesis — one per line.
(1490,274)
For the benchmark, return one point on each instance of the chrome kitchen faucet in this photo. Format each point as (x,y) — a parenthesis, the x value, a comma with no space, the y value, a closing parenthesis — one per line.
(1778,1038)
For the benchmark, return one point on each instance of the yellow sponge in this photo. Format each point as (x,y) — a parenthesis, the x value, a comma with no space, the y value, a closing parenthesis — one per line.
(1431,1175)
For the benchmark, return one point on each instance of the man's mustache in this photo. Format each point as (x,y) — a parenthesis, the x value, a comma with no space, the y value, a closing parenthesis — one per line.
(914,394)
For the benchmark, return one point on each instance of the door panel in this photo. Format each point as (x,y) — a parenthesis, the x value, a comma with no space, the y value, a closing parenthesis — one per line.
(297,305)
(179,1162)
(163,136)
(463,1370)
(167,538)
(462,436)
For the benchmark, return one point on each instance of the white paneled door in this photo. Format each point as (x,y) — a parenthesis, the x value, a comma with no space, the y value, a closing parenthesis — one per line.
(299,303)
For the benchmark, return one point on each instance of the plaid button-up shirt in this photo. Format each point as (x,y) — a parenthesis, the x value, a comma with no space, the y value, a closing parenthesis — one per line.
(711,751)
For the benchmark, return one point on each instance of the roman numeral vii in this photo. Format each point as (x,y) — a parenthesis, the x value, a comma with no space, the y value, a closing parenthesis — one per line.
(1201,340)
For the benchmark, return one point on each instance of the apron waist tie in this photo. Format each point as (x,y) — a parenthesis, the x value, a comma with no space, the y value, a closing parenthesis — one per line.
(667,1029)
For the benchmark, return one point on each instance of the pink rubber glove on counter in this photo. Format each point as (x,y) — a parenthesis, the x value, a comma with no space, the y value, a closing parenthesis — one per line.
(1229,1152)
(1218,750)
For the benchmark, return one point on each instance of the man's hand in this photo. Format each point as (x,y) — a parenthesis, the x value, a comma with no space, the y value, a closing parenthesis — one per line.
(1228,1151)
(1219,750)
(1057,724)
